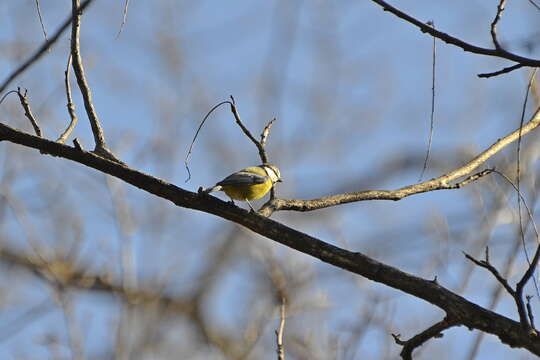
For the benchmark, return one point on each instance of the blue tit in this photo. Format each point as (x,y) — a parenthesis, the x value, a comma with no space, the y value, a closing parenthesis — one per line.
(248,184)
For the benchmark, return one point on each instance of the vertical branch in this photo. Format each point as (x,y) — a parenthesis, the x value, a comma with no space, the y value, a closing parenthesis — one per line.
(532,264)
(41,21)
(27,111)
(70,106)
(279,332)
(78,69)
(74,336)
(500,9)
(432,105)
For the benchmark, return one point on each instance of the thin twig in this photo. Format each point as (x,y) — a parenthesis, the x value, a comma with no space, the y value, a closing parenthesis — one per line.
(534,4)
(266,131)
(41,20)
(42,49)
(186,160)
(99,137)
(532,265)
(124,18)
(77,144)
(529,311)
(260,147)
(520,285)
(487,265)
(6,95)
(531,218)
(260,144)
(27,111)
(432,117)
(70,106)
(434,331)
(500,9)
(502,71)
(501,53)
(279,332)
(518,160)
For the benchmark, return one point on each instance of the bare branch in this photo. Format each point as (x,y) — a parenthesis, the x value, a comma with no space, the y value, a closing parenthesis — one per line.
(458,308)
(487,265)
(259,145)
(529,311)
(27,111)
(41,20)
(500,9)
(432,117)
(434,331)
(124,18)
(500,72)
(532,264)
(534,4)
(70,106)
(500,53)
(440,183)
(279,332)
(99,137)
(266,131)
(42,49)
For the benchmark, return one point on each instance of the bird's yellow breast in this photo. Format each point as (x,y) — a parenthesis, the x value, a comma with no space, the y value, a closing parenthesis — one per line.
(249,192)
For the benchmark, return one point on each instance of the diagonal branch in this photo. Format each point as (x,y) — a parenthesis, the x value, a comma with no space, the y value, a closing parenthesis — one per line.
(42,50)
(463,311)
(264,135)
(425,28)
(442,182)
(500,72)
(28,112)
(487,265)
(434,331)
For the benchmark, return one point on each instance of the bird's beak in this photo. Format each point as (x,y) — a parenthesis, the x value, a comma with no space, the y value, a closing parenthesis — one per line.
(279,180)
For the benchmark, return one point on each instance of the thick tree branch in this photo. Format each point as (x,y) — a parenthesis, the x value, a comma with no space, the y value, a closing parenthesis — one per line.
(463,311)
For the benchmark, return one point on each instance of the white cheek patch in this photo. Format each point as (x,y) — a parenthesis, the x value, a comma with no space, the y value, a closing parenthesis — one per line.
(271,173)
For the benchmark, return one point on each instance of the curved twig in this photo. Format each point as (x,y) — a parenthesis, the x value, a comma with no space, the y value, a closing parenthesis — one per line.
(70,106)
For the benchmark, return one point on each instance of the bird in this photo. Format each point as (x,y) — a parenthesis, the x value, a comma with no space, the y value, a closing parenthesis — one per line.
(247,184)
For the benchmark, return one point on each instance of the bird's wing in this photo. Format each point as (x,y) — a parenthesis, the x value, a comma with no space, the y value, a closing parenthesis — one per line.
(242,178)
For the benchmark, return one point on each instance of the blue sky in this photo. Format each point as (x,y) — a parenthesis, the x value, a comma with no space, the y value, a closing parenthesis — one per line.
(350,86)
